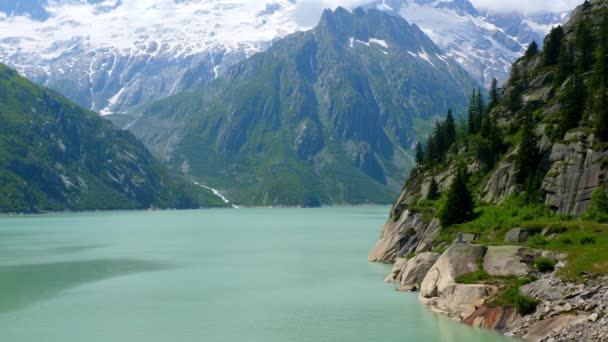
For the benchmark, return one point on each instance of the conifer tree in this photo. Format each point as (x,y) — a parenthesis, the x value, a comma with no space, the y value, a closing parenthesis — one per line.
(599,82)
(553,44)
(450,129)
(433,192)
(528,155)
(430,156)
(600,113)
(574,104)
(472,117)
(459,205)
(480,109)
(532,50)
(494,94)
(419,154)
(565,65)
(583,44)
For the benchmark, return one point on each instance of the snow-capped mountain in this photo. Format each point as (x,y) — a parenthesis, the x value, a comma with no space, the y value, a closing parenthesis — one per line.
(486,43)
(112,55)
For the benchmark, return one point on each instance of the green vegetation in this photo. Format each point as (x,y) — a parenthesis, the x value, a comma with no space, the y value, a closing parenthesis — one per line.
(544,264)
(598,210)
(311,121)
(512,297)
(459,204)
(55,155)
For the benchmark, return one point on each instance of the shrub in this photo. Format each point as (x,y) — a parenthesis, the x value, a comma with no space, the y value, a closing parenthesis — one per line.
(544,264)
(567,241)
(473,278)
(523,304)
(587,240)
(538,240)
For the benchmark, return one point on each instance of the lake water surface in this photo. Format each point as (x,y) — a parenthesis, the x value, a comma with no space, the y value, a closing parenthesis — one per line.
(268,275)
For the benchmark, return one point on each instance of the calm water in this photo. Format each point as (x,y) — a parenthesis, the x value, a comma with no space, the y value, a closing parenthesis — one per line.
(208,275)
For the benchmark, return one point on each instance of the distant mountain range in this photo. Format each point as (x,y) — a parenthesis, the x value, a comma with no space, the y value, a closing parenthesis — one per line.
(325,116)
(56,156)
(107,57)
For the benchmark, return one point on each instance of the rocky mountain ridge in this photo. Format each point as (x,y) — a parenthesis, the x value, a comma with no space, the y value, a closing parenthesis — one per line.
(182,45)
(56,156)
(529,263)
(326,116)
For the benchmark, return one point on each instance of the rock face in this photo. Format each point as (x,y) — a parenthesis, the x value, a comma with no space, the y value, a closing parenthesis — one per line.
(410,273)
(408,234)
(509,260)
(57,156)
(576,171)
(501,183)
(497,318)
(290,126)
(458,259)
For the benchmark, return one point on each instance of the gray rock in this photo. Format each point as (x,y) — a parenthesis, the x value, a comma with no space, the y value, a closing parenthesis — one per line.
(593,317)
(458,259)
(576,171)
(407,234)
(516,235)
(509,260)
(416,269)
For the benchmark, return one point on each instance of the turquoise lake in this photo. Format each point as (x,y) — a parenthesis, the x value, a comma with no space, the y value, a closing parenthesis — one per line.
(264,275)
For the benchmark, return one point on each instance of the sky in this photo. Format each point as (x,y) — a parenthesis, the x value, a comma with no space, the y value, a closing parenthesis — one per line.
(526,6)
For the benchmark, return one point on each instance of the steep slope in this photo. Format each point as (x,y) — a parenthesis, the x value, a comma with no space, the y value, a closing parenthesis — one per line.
(55,155)
(182,45)
(533,167)
(324,116)
(485,43)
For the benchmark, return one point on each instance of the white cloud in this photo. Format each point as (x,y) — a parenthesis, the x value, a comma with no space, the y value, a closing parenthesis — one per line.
(527,6)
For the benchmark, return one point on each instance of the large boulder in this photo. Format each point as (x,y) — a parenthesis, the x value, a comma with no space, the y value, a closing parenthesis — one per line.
(460,300)
(398,267)
(497,318)
(410,273)
(516,235)
(542,329)
(404,234)
(417,268)
(458,259)
(509,260)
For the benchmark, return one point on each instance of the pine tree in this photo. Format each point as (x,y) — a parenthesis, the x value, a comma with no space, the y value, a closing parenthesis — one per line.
(459,205)
(583,44)
(600,84)
(473,114)
(430,157)
(433,192)
(553,44)
(528,155)
(565,65)
(480,109)
(494,94)
(450,129)
(574,104)
(419,154)
(532,50)
(600,113)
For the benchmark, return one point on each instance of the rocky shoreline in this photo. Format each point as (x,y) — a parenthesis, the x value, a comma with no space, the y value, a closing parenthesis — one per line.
(565,312)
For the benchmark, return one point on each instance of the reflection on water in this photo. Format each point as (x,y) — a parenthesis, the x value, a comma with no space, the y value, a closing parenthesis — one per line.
(21,285)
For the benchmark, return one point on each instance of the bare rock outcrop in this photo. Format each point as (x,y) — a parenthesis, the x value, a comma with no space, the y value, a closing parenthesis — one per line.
(410,273)
(509,260)
(409,233)
(576,171)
